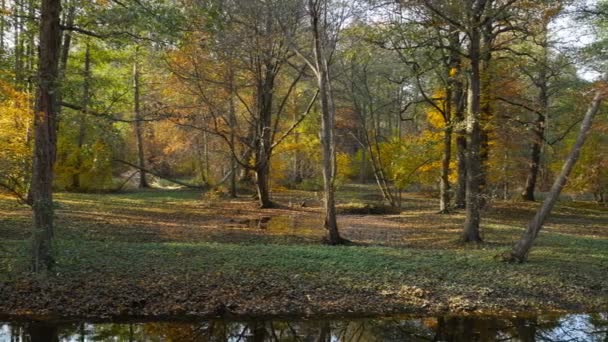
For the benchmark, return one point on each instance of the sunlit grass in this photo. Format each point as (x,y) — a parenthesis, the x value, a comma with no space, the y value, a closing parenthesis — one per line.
(175,236)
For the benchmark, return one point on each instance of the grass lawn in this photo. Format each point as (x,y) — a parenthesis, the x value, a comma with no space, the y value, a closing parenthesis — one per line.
(171,253)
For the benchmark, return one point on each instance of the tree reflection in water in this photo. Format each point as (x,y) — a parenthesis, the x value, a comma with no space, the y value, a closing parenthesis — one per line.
(587,327)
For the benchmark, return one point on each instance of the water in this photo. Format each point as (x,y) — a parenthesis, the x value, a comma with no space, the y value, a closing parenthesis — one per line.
(575,327)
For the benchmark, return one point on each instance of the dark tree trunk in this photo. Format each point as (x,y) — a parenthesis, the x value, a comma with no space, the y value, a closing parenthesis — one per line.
(534,163)
(265,90)
(45,136)
(324,332)
(18,18)
(526,330)
(522,248)
(43,332)
(67,40)
(485,109)
(474,138)
(258,332)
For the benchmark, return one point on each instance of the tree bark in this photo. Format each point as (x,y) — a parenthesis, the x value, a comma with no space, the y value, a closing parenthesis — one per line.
(473,163)
(45,136)
(327,121)
(264,134)
(261,181)
(458,101)
(522,248)
(486,113)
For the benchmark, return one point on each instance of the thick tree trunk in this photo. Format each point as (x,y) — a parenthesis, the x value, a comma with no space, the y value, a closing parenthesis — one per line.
(138,123)
(522,248)
(329,161)
(327,123)
(473,163)
(265,89)
(45,136)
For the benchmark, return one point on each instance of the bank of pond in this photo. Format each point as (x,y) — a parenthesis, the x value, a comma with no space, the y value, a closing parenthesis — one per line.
(524,327)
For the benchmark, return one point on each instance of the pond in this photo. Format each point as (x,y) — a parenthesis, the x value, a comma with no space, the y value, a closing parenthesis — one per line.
(573,327)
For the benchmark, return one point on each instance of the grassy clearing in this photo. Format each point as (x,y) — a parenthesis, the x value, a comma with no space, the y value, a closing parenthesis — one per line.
(157,253)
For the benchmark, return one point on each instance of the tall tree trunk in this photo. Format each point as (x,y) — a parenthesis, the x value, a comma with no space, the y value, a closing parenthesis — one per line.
(522,248)
(82,117)
(485,108)
(473,163)
(264,134)
(141,161)
(536,147)
(453,86)
(45,136)
(67,39)
(327,121)
(458,102)
(18,17)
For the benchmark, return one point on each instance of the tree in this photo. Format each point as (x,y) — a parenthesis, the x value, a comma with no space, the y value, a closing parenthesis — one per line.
(522,247)
(244,57)
(45,136)
(323,44)
(137,122)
